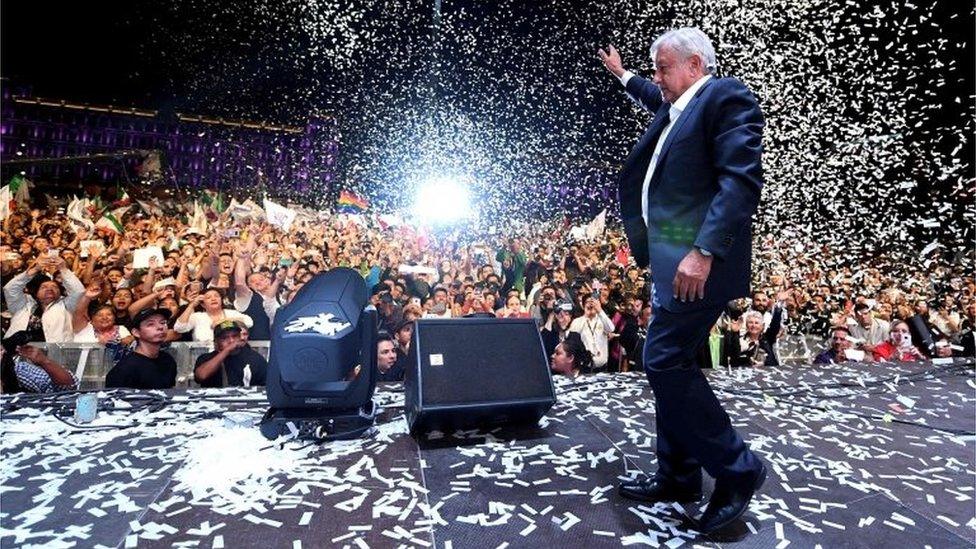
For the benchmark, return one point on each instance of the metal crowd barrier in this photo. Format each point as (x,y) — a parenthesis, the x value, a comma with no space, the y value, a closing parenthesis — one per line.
(90,362)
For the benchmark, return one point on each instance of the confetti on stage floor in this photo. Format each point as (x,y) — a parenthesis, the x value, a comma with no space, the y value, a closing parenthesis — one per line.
(859,455)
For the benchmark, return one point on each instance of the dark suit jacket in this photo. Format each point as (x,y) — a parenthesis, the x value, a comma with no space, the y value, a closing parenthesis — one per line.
(704,190)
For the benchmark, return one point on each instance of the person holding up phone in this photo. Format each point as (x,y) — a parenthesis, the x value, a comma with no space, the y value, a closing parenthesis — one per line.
(39,304)
(596,329)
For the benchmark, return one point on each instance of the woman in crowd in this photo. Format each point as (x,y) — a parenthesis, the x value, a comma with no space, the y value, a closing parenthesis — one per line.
(571,357)
(899,346)
(201,323)
(39,305)
(512,309)
(556,325)
(95,322)
(121,299)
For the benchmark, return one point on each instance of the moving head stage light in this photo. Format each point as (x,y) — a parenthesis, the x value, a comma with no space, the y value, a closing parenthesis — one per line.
(322,361)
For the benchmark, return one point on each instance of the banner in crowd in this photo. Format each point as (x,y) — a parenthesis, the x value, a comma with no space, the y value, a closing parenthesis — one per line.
(14,194)
(111,221)
(198,222)
(278,215)
(592,230)
(350,202)
(242,211)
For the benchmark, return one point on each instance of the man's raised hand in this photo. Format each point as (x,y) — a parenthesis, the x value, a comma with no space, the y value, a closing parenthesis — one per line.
(611,60)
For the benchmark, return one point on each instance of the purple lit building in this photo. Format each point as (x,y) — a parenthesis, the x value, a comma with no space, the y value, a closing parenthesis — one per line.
(63,144)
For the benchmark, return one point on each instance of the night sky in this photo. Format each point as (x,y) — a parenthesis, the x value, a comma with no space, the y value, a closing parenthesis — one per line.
(869,105)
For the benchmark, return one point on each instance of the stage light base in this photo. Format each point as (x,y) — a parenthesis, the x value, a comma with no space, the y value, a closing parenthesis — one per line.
(318,424)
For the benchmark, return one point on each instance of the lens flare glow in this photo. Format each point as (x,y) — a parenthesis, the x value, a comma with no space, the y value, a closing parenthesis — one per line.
(442,201)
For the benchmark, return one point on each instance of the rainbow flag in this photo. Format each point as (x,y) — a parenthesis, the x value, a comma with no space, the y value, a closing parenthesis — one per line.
(350,202)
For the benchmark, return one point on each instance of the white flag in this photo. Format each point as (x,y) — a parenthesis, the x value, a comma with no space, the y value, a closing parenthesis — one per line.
(278,215)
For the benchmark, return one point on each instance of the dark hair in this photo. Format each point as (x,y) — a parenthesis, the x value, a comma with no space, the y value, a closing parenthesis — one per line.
(383,335)
(573,346)
(34,284)
(8,372)
(898,321)
(96,306)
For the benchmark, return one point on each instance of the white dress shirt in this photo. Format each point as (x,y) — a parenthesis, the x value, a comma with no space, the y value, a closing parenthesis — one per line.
(676,109)
(595,334)
(56,318)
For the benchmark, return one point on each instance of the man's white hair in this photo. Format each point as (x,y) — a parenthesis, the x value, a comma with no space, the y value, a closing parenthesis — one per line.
(753,314)
(686,42)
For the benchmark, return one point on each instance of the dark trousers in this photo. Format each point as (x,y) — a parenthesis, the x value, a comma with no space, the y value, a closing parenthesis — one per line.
(693,431)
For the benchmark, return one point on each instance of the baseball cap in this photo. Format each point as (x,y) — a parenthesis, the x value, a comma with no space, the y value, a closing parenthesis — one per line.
(226,326)
(146,313)
(160,284)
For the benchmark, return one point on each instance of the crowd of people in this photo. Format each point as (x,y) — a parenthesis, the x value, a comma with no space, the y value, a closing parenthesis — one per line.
(223,283)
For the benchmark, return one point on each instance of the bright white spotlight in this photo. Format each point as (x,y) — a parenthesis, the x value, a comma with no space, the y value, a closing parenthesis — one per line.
(441,201)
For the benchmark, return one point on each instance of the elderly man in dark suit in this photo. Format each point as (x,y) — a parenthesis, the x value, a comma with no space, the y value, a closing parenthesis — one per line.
(687,192)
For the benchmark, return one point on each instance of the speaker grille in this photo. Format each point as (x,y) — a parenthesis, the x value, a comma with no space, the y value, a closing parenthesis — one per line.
(473,361)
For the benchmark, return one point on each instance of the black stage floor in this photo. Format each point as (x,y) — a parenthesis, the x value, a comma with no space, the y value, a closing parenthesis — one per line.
(859,456)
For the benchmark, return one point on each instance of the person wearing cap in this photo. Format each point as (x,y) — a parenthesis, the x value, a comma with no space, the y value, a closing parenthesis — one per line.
(39,305)
(147,367)
(232,363)
(389,313)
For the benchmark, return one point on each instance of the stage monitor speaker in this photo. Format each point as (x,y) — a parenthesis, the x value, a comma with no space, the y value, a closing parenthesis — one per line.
(476,372)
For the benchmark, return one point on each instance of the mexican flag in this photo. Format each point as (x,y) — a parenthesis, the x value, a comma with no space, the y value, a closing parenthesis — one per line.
(213,200)
(111,221)
(14,194)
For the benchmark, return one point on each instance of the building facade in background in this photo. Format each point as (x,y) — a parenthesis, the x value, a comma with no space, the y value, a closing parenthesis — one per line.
(59,144)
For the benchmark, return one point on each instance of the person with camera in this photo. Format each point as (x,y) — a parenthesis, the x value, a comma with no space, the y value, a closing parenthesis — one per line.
(543,301)
(898,347)
(40,305)
(556,325)
(596,330)
(513,307)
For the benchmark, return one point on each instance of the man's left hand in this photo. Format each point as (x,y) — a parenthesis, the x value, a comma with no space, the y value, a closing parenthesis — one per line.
(689,281)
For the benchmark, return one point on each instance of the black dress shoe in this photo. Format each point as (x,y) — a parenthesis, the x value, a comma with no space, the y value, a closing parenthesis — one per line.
(728,503)
(654,489)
